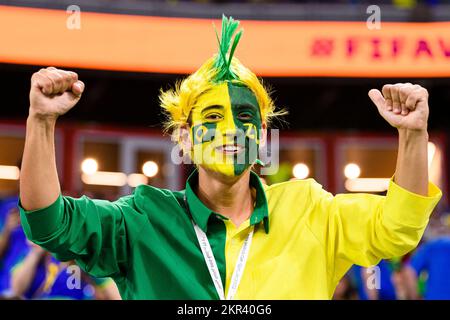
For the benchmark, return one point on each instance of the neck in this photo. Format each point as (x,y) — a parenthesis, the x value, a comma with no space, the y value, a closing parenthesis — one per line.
(228,196)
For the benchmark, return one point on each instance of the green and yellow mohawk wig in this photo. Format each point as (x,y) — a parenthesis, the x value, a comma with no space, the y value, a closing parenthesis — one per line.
(177,103)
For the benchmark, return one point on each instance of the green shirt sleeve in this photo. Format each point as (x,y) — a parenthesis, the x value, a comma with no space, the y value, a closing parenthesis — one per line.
(98,234)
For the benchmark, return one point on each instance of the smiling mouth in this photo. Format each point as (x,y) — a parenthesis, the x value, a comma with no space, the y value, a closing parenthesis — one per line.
(230,149)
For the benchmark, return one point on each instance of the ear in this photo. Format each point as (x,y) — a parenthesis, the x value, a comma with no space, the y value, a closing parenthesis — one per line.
(263,139)
(185,139)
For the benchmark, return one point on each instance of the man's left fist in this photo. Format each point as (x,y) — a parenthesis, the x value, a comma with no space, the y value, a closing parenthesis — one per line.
(403,105)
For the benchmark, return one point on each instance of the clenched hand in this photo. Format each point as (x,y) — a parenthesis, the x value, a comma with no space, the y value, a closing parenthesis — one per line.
(402,105)
(54,92)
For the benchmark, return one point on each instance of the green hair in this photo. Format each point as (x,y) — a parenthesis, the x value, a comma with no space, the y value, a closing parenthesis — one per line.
(225,56)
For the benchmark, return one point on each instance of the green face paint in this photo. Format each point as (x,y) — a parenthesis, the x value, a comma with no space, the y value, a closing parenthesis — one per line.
(247,119)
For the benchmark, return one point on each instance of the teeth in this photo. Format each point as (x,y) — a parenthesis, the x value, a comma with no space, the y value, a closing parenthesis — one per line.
(231,148)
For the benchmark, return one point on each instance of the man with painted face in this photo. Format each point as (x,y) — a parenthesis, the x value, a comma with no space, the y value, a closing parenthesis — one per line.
(227,235)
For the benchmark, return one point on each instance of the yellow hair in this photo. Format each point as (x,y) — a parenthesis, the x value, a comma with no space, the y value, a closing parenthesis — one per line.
(177,103)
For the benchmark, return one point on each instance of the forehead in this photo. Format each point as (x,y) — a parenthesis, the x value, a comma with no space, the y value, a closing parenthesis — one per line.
(241,95)
(227,94)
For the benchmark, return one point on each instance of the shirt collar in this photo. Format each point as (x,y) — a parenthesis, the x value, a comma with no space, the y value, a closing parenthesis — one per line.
(201,213)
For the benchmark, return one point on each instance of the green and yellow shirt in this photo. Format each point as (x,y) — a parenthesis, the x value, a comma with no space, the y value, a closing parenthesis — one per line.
(305,239)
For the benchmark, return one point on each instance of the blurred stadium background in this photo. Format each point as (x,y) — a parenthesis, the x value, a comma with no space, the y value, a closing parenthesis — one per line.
(320,57)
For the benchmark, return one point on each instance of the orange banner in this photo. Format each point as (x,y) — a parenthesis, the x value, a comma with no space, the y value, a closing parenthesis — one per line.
(179,45)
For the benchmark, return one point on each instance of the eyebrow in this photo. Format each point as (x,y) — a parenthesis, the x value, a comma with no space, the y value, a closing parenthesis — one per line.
(216,106)
(246,106)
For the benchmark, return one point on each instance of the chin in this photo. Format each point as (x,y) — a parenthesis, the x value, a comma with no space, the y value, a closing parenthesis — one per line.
(226,172)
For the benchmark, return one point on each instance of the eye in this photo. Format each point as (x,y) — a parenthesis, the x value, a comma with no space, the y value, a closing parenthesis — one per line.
(214,117)
(245,116)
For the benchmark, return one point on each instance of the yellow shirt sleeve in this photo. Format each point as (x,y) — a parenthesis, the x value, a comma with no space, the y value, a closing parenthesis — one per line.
(359,228)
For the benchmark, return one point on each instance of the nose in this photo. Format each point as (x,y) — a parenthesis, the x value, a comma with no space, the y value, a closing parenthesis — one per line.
(229,120)
(235,135)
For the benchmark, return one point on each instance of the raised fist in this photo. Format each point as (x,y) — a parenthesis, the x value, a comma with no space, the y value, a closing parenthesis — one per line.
(402,105)
(54,92)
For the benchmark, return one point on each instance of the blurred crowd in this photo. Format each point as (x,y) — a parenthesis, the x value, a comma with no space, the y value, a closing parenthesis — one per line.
(422,274)
(27,271)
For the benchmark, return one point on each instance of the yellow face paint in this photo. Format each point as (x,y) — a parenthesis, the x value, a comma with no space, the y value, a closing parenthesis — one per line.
(225,129)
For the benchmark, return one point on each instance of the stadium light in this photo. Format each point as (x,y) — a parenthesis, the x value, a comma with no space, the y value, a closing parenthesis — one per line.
(352,171)
(9,172)
(89,166)
(136,179)
(105,178)
(367,184)
(300,171)
(150,168)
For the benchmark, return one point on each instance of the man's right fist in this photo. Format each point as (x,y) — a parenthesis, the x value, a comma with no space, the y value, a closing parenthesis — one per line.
(54,92)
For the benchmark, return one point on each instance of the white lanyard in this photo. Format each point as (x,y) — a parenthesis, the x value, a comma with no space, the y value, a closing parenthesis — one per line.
(212,265)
